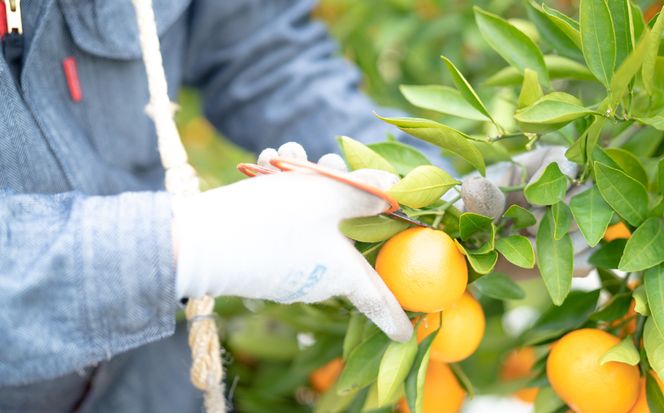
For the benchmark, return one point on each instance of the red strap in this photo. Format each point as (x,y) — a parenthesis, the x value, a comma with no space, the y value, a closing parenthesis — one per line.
(3,19)
(73,82)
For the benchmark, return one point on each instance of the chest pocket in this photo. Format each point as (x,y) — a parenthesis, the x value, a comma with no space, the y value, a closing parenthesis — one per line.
(106,46)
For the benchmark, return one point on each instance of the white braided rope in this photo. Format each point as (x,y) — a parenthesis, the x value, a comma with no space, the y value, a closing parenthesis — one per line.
(181,180)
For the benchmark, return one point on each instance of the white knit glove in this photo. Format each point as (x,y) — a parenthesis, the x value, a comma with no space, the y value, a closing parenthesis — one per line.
(276,237)
(482,195)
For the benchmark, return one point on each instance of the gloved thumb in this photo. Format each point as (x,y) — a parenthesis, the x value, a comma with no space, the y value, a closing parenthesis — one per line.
(371,296)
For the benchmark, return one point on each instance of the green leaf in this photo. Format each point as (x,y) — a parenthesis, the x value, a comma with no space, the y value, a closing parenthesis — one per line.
(623,352)
(566,24)
(499,286)
(463,379)
(656,121)
(598,39)
(531,90)
(555,36)
(417,375)
(371,229)
(556,321)
(648,69)
(471,223)
(610,281)
(592,214)
(518,250)
(549,188)
(615,309)
(547,401)
(394,367)
(512,44)
(443,136)
(521,217)
(555,259)
(559,68)
(645,248)
(654,395)
(423,186)
(660,176)
(629,163)
(622,23)
(362,364)
(359,156)
(626,71)
(465,89)
(483,263)
(354,332)
(623,193)
(442,99)
(562,219)
(641,301)
(653,281)
(404,158)
(654,343)
(549,113)
(608,256)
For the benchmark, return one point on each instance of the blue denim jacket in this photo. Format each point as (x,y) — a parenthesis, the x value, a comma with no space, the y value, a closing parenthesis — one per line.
(86,269)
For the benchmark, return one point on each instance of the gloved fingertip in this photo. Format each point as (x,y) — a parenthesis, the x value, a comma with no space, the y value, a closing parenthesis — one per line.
(333,161)
(292,150)
(266,156)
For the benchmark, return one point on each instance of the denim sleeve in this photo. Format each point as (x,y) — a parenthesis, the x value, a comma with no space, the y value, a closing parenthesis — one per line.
(81,278)
(271,74)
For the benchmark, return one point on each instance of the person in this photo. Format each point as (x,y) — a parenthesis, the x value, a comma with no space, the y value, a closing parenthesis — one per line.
(95,256)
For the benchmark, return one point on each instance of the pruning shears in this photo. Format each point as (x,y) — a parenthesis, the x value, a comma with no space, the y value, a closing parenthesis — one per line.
(286,165)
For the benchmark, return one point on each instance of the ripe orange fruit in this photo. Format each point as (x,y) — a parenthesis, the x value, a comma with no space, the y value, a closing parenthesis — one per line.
(518,365)
(641,405)
(461,332)
(423,268)
(575,373)
(323,378)
(616,231)
(442,392)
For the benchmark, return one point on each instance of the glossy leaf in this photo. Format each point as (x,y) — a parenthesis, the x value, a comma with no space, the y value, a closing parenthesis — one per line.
(521,217)
(608,255)
(622,24)
(653,281)
(531,90)
(645,248)
(656,121)
(627,70)
(566,24)
(559,68)
(442,99)
(549,113)
(653,341)
(423,186)
(623,193)
(483,263)
(641,301)
(359,156)
(629,163)
(660,176)
(465,89)
(404,158)
(362,364)
(616,308)
(438,134)
(592,214)
(648,70)
(654,394)
(549,189)
(499,286)
(354,331)
(623,352)
(394,367)
(547,401)
(598,39)
(555,259)
(562,219)
(471,223)
(512,44)
(518,250)
(417,375)
(371,229)
(552,33)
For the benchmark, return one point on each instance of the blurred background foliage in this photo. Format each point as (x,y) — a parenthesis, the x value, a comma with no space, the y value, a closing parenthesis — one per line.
(274,348)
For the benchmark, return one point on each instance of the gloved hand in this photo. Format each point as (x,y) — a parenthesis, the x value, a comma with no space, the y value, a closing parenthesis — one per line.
(276,237)
(483,196)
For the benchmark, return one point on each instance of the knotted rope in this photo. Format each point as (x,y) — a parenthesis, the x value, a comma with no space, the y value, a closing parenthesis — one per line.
(181,180)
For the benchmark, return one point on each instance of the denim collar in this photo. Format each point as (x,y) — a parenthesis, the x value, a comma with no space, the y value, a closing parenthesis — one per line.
(107,28)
